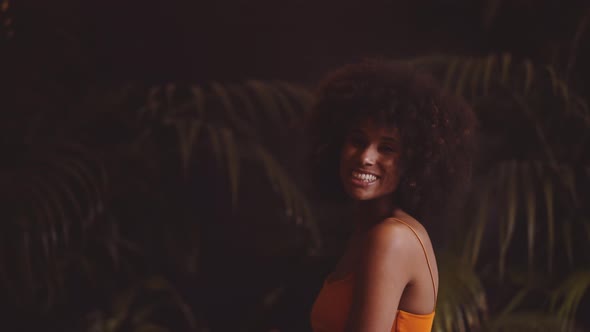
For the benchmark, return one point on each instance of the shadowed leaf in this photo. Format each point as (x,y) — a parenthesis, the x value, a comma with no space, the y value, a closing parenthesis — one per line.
(233,163)
(531,208)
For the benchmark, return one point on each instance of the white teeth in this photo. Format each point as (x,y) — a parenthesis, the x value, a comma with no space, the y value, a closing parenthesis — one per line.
(364,176)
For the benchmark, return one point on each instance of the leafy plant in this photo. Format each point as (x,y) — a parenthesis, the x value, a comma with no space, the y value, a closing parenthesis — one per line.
(134,309)
(75,195)
(528,170)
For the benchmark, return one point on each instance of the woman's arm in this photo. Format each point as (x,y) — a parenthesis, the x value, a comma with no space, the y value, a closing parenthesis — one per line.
(384,271)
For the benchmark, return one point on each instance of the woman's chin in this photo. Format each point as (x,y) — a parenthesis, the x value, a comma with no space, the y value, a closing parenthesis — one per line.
(360,195)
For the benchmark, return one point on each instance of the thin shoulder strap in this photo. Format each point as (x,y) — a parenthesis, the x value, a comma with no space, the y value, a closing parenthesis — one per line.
(425,255)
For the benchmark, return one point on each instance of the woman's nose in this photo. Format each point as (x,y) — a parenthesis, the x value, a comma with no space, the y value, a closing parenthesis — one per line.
(368,156)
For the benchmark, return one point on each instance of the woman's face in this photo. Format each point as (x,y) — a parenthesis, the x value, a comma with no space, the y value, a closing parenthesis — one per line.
(370,161)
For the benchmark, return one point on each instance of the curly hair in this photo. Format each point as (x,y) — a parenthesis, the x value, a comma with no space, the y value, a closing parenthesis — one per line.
(437,130)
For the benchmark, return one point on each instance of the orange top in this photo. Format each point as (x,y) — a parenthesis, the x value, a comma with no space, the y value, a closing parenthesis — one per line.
(332,305)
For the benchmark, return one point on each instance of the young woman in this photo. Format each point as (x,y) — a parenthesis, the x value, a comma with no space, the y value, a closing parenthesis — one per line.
(390,139)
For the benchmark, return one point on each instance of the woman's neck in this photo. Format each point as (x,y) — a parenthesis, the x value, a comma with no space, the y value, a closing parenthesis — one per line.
(370,212)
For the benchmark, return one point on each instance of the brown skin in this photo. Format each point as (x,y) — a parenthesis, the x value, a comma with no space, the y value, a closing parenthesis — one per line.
(385,255)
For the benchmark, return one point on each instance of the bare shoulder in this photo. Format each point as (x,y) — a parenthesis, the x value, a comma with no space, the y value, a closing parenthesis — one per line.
(416,231)
(398,235)
(392,249)
(401,217)
(391,235)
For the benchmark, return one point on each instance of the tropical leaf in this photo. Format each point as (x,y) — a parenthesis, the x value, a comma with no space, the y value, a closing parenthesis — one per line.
(539,129)
(490,74)
(233,161)
(294,200)
(515,302)
(568,242)
(228,134)
(246,104)
(516,188)
(55,189)
(501,72)
(549,193)
(521,194)
(508,176)
(188,134)
(531,212)
(243,108)
(158,283)
(215,141)
(461,303)
(222,94)
(532,321)
(267,100)
(478,227)
(135,307)
(300,96)
(567,297)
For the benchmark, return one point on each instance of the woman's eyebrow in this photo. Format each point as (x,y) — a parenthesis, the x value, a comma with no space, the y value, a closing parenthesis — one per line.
(389,139)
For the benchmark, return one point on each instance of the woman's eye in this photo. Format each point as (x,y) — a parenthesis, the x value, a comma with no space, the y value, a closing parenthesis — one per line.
(388,149)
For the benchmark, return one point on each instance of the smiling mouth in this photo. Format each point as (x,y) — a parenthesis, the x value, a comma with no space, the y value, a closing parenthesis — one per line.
(364,177)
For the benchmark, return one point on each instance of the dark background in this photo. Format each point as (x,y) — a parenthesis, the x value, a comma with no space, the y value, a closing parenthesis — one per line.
(295,40)
(76,72)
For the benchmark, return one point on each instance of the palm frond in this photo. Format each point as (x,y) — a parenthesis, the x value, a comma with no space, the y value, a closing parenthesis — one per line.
(188,134)
(301,96)
(461,304)
(516,301)
(500,73)
(549,193)
(531,212)
(465,73)
(56,188)
(568,241)
(233,126)
(222,143)
(267,100)
(231,114)
(478,227)
(517,188)
(508,176)
(246,103)
(539,129)
(525,321)
(294,200)
(567,297)
(134,308)
(233,162)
